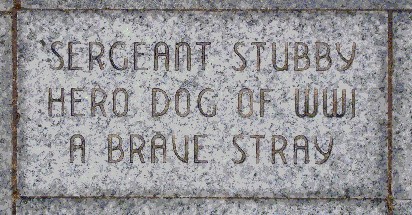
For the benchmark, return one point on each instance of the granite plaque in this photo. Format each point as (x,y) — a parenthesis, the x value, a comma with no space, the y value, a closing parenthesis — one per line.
(402,109)
(199,206)
(202,104)
(219,5)
(5,114)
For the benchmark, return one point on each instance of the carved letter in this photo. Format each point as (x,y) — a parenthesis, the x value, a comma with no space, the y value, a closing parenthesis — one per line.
(111,53)
(184,159)
(154,147)
(155,101)
(137,55)
(243,66)
(74,147)
(98,57)
(203,44)
(259,46)
(138,150)
(188,56)
(352,56)
(304,55)
(177,102)
(306,108)
(71,55)
(305,148)
(126,102)
(98,104)
(118,147)
(279,151)
(286,64)
(158,54)
(334,104)
(263,101)
(324,56)
(197,148)
(240,102)
(257,137)
(325,155)
(243,158)
(51,100)
(73,100)
(199,103)
(61,60)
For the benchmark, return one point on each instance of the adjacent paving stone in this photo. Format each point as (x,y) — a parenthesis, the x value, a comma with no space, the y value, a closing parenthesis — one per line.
(402,207)
(231,4)
(200,206)
(6,5)
(358,161)
(5,114)
(402,107)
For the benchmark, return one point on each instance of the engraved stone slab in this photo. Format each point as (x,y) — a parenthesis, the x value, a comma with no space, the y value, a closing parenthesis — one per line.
(231,4)
(92,63)
(402,107)
(5,114)
(199,206)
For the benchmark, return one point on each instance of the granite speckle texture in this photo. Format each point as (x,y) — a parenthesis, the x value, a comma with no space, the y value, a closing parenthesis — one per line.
(231,4)
(200,206)
(6,5)
(356,168)
(402,109)
(402,207)
(5,114)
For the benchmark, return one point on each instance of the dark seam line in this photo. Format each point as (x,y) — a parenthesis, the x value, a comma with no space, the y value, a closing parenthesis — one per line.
(15,191)
(390,109)
(198,197)
(213,9)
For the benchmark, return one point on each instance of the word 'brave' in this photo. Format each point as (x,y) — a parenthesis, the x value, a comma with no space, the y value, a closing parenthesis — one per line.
(120,55)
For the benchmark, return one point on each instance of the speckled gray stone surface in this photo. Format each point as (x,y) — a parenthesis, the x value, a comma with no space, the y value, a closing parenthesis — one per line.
(5,114)
(402,207)
(356,167)
(200,206)
(231,4)
(6,5)
(402,108)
